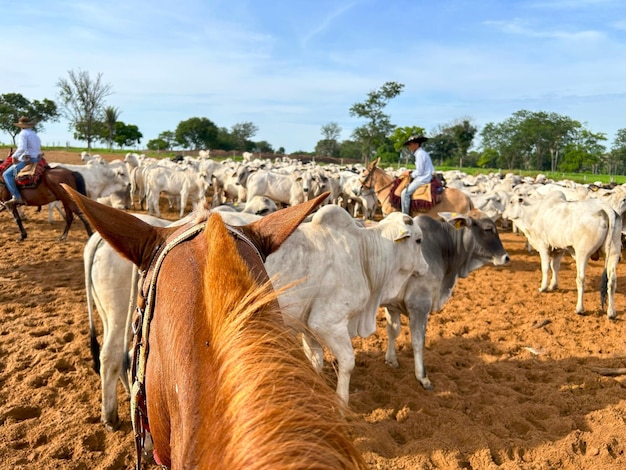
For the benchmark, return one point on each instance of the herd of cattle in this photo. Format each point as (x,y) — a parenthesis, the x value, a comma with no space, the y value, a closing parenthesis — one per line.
(341,266)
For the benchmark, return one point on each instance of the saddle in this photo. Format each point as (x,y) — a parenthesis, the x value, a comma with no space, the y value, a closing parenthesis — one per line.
(27,177)
(424,197)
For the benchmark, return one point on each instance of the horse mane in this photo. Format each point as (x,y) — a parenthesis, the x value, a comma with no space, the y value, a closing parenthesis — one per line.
(273,409)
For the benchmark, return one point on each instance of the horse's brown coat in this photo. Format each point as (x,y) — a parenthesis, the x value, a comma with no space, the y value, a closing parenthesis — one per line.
(226,385)
(49,190)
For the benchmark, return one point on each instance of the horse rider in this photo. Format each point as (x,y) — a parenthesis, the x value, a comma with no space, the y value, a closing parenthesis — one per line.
(423,173)
(28,151)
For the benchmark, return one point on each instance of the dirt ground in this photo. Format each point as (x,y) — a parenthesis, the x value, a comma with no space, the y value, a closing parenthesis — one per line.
(515,377)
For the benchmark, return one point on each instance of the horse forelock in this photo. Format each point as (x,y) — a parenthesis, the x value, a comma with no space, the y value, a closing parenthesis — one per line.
(273,410)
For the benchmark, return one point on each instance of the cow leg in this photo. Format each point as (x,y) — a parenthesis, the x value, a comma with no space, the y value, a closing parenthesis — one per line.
(183,203)
(339,342)
(418,319)
(581,266)
(313,350)
(393,330)
(611,284)
(544,253)
(111,358)
(555,266)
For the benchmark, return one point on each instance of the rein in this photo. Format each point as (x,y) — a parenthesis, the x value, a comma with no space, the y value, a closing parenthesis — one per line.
(370,173)
(141,328)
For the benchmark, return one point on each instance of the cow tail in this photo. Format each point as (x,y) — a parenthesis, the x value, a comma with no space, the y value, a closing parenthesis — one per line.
(612,242)
(80,183)
(94,346)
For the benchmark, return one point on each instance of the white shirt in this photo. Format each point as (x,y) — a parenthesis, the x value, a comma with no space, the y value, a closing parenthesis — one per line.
(424,168)
(28,144)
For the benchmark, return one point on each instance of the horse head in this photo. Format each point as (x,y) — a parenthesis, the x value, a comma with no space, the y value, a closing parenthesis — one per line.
(222,365)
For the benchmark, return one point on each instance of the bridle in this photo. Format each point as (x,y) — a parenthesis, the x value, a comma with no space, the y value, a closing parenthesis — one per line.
(368,179)
(144,314)
(368,182)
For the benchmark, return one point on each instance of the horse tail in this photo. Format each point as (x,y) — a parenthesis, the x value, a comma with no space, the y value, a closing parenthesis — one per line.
(80,182)
(276,406)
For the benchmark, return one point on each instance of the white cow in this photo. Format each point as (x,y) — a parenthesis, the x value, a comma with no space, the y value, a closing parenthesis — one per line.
(186,184)
(101,180)
(345,272)
(584,228)
(281,188)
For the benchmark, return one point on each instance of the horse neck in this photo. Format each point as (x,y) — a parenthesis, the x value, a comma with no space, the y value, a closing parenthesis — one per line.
(382,182)
(258,402)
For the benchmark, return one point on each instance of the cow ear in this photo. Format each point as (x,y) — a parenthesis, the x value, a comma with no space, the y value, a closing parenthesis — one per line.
(272,230)
(455,219)
(133,238)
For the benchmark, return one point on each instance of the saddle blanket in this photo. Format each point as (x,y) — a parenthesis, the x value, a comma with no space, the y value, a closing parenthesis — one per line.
(422,200)
(29,176)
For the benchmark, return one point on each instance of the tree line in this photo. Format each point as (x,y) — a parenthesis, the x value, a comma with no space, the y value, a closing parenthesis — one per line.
(529,140)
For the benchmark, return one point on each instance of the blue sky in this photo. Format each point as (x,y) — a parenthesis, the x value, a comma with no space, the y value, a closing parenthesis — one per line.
(291,67)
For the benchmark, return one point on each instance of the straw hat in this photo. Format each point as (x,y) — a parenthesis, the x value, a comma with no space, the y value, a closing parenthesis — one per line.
(24,123)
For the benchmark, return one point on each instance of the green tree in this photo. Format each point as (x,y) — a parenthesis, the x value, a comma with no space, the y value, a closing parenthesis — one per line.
(616,158)
(196,133)
(329,145)
(263,146)
(463,133)
(350,150)
(225,140)
(14,105)
(584,152)
(82,100)
(399,136)
(443,149)
(243,132)
(127,135)
(169,137)
(157,145)
(500,139)
(532,140)
(111,115)
(373,134)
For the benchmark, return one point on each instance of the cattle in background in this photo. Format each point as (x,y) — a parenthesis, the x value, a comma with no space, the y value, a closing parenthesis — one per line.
(174,182)
(343,272)
(285,189)
(101,179)
(584,228)
(452,249)
(226,183)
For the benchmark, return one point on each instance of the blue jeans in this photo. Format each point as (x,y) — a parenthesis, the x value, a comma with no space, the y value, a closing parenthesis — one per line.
(9,178)
(405,195)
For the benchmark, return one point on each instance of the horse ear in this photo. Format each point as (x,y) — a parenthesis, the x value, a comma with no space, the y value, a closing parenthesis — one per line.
(272,230)
(374,163)
(133,238)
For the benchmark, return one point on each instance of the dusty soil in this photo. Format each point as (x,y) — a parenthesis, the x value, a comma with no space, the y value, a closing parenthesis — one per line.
(514,370)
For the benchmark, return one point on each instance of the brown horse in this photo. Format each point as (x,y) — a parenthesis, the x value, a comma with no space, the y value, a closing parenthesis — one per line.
(226,384)
(452,199)
(49,190)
